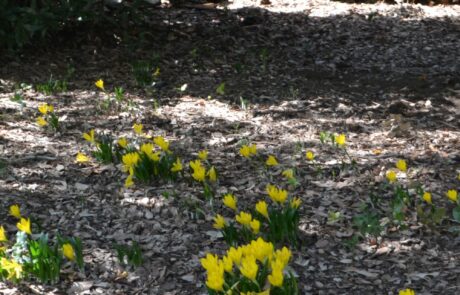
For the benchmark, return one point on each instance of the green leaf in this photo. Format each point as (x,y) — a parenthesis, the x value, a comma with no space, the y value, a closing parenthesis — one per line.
(221,89)
(456,213)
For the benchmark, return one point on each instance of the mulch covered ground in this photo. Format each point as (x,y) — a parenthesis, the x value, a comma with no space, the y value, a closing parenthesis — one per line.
(388,76)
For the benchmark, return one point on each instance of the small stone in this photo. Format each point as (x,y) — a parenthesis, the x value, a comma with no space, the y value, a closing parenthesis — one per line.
(149,215)
(81,186)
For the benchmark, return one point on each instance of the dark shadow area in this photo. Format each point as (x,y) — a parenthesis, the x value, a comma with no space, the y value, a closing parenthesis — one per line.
(262,57)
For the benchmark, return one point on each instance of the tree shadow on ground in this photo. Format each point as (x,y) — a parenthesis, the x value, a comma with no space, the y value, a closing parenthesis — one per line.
(266,57)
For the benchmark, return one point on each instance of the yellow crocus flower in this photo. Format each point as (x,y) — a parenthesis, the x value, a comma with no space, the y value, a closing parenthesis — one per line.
(452,195)
(24,225)
(309,155)
(81,158)
(340,139)
(276,278)
(219,222)
(295,203)
(3,237)
(122,142)
(427,197)
(245,151)
(203,155)
(244,218)
(162,143)
(41,122)
(261,207)
(89,136)
(249,267)
(271,161)
(255,225)
(177,166)
(212,174)
(68,251)
(407,292)
(288,173)
(401,165)
(230,201)
(15,211)
(12,268)
(138,128)
(276,194)
(100,84)
(391,176)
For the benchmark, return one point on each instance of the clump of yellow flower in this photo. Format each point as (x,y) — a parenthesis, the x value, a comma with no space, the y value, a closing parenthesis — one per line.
(45,108)
(401,165)
(147,149)
(12,268)
(276,194)
(340,139)
(271,161)
(230,201)
(452,195)
(248,151)
(130,160)
(68,251)
(15,211)
(215,272)
(248,259)
(199,172)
